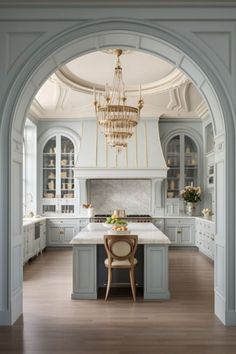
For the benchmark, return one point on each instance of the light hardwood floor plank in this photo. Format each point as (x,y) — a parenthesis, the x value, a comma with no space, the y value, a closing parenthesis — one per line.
(53,323)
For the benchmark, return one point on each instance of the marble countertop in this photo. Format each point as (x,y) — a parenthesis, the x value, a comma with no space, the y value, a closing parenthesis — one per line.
(31,221)
(147,233)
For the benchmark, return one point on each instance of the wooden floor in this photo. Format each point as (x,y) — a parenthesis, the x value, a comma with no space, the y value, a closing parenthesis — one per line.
(52,323)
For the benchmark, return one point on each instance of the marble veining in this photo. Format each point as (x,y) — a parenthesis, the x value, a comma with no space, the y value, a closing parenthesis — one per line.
(132,195)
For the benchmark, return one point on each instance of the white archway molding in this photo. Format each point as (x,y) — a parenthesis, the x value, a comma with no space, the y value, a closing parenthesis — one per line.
(151,39)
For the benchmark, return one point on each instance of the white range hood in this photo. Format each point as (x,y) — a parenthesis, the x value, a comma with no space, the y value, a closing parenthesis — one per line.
(142,159)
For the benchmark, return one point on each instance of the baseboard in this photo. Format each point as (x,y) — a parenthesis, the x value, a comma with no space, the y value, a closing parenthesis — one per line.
(16,306)
(84,296)
(165,295)
(5,318)
(230,318)
(220,307)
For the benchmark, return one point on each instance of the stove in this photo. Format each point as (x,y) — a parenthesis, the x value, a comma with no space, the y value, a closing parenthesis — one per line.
(129,217)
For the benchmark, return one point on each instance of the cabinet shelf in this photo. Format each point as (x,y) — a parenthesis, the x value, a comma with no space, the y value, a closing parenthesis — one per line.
(59,163)
(182,159)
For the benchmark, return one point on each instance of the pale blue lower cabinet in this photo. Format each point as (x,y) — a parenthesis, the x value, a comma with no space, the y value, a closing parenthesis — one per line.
(61,231)
(181,232)
(84,272)
(85,269)
(156,284)
(34,239)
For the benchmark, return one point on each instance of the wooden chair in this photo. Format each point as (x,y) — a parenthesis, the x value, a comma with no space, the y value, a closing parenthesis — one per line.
(120,251)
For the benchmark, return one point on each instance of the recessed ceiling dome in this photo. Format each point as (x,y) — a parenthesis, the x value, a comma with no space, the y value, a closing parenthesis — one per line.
(166,90)
(138,68)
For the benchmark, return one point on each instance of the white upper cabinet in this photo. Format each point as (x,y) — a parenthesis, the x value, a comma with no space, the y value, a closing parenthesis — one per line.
(182,158)
(58,188)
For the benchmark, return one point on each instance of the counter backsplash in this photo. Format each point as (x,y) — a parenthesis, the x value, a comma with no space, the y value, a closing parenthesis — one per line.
(132,195)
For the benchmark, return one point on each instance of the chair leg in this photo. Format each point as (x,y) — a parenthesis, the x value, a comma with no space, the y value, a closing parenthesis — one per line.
(108,282)
(132,283)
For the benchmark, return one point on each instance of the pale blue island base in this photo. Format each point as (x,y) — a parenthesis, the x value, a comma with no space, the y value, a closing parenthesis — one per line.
(85,261)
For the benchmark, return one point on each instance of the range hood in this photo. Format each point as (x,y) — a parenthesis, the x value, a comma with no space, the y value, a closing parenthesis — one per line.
(143,157)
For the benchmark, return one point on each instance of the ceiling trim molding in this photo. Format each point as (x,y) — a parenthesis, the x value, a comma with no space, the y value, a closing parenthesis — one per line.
(201,110)
(36,109)
(174,79)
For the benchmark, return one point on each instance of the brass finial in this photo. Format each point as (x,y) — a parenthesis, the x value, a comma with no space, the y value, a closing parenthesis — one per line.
(118,52)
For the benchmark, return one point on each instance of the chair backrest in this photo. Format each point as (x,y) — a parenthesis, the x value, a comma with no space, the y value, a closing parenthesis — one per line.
(121,247)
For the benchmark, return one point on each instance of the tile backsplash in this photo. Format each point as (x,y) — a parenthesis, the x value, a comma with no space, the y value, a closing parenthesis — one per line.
(133,195)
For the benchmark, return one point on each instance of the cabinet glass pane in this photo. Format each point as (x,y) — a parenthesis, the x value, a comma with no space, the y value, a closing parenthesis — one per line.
(67,164)
(190,162)
(49,169)
(49,209)
(173,162)
(67,209)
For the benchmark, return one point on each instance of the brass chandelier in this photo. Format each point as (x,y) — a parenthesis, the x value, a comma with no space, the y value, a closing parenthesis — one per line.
(117,119)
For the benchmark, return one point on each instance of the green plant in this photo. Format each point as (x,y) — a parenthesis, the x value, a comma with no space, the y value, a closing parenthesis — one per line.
(114,220)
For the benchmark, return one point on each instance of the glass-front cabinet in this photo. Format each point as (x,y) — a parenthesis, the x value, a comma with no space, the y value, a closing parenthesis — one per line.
(59,188)
(182,158)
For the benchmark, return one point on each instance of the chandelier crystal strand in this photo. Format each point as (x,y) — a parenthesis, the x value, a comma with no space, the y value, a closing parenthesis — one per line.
(117,119)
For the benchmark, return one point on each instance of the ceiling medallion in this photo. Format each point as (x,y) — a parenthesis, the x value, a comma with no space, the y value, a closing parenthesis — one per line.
(117,119)
(114,51)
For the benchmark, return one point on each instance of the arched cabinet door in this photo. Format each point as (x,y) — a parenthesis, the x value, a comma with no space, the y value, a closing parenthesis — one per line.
(182,158)
(58,194)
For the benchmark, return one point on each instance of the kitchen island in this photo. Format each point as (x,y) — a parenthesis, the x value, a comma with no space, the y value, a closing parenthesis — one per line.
(155,261)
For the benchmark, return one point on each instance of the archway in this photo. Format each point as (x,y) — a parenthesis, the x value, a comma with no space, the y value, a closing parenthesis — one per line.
(153,40)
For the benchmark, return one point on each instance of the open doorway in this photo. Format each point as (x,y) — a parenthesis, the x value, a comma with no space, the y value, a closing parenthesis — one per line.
(60,195)
(219,128)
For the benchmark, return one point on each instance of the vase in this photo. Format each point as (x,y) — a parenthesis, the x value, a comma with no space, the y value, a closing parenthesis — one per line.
(190,208)
(90,212)
(207,216)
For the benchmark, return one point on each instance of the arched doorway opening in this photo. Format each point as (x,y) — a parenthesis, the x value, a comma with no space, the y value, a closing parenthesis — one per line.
(155,41)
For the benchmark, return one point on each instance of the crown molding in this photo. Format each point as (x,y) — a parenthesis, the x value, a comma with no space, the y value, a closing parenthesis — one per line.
(116,3)
(36,110)
(65,77)
(201,110)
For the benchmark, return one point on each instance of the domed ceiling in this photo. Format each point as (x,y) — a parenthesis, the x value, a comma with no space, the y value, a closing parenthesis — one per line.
(68,93)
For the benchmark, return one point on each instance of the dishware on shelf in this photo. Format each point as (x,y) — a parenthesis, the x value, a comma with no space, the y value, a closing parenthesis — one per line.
(63,162)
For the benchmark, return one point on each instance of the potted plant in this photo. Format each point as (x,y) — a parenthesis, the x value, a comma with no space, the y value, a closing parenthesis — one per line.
(191,196)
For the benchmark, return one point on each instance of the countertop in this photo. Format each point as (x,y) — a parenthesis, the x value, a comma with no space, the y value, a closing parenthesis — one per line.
(147,233)
(31,221)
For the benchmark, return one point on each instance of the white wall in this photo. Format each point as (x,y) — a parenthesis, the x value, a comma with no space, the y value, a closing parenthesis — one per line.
(30,168)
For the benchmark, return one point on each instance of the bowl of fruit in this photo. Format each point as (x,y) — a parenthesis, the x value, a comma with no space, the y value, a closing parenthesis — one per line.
(113,220)
(119,230)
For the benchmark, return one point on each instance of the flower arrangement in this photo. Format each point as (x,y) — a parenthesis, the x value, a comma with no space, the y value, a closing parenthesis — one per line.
(191,194)
(87,206)
(207,212)
(90,210)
